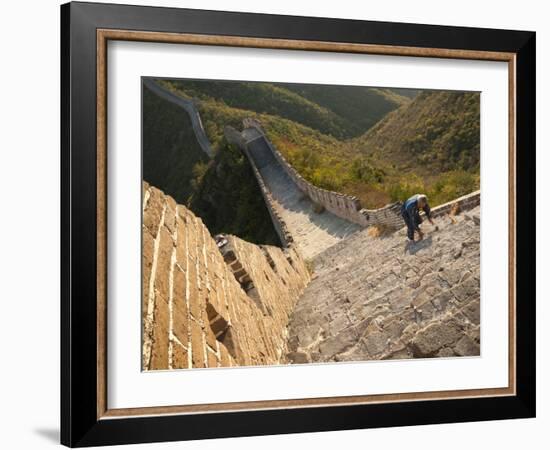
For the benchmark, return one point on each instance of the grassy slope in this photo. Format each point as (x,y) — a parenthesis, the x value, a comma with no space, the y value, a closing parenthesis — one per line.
(405,92)
(438,129)
(429,144)
(360,106)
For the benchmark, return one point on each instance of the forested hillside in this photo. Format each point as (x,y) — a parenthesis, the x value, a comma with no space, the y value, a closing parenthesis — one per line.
(339,111)
(228,200)
(360,107)
(439,130)
(170,150)
(430,145)
(379,144)
(264,98)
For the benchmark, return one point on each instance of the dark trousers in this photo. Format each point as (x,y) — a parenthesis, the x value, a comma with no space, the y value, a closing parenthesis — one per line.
(411,222)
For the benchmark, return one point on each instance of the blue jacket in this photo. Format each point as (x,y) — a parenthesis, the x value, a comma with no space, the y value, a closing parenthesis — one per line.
(411,209)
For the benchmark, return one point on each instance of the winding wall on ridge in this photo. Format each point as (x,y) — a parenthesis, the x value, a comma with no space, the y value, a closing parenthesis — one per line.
(189,107)
(295,215)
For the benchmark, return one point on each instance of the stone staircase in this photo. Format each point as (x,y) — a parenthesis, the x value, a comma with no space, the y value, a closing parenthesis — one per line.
(381,298)
(313,232)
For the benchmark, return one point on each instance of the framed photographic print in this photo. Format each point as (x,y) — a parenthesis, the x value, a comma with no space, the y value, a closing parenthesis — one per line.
(276,224)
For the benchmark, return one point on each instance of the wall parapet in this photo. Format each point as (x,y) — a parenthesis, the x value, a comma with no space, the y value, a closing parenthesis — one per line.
(345,206)
(463,203)
(207,303)
(236,138)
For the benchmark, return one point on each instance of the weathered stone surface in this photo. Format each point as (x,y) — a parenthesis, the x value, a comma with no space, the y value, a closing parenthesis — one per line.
(370,298)
(210,336)
(148,248)
(212,359)
(154,208)
(401,353)
(159,352)
(197,345)
(445,352)
(194,290)
(164,257)
(298,357)
(466,290)
(466,347)
(179,307)
(181,245)
(180,359)
(337,344)
(401,300)
(471,311)
(429,340)
(170,215)
(376,342)
(409,331)
(225,358)
(442,300)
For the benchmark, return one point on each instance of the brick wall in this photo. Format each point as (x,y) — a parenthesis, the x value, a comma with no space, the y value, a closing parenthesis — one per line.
(202,308)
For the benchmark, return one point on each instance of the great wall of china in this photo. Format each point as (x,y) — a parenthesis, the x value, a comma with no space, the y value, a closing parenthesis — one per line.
(332,293)
(191,110)
(203,307)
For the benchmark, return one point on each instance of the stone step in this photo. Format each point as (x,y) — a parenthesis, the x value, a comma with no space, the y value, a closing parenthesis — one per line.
(312,232)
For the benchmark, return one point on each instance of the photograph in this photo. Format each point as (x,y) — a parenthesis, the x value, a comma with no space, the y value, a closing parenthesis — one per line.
(294,223)
(282,222)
